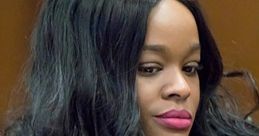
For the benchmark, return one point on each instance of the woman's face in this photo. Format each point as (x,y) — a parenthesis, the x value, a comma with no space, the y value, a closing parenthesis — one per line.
(167,80)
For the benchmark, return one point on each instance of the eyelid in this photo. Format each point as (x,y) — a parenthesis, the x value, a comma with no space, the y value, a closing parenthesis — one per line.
(195,66)
(148,62)
(199,65)
(193,62)
(149,66)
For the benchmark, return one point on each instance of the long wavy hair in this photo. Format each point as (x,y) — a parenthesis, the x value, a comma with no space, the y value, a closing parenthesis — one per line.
(81,79)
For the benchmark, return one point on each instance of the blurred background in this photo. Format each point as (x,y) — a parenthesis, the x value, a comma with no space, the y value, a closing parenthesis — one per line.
(234,24)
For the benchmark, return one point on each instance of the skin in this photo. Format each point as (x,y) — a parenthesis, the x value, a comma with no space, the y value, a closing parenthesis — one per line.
(167,73)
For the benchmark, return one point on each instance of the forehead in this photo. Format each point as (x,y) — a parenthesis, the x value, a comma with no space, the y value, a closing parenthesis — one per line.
(171,21)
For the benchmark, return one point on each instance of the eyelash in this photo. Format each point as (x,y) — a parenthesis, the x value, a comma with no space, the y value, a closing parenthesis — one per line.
(150,69)
(193,69)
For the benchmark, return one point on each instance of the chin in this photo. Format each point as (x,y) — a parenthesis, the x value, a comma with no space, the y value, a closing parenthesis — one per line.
(156,130)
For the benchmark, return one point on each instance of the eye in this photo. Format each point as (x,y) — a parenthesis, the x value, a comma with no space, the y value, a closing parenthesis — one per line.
(149,69)
(192,68)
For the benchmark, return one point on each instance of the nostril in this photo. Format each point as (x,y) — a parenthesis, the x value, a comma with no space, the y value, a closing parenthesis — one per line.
(176,91)
(173,95)
(177,95)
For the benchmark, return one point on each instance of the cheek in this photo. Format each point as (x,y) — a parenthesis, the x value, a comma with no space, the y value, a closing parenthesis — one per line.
(195,94)
(146,93)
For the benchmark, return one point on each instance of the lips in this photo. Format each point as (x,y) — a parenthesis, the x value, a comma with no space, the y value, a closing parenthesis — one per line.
(175,119)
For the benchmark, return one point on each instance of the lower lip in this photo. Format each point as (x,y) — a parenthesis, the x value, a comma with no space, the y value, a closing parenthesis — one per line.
(174,123)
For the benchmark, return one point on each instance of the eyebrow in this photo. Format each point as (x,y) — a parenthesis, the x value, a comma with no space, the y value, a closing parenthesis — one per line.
(194,47)
(154,48)
(162,49)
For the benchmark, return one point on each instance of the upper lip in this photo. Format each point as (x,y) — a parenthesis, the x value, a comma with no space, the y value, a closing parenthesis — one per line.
(175,114)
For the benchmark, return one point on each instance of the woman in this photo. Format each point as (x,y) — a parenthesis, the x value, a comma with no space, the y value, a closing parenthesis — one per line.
(124,68)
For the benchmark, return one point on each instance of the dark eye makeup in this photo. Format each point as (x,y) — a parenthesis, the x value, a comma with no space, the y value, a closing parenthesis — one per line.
(149,69)
(192,68)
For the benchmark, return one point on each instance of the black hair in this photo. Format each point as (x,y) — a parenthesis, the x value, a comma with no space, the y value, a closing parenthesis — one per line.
(81,79)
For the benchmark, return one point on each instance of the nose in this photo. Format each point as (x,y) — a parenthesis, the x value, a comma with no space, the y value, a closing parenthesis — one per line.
(176,88)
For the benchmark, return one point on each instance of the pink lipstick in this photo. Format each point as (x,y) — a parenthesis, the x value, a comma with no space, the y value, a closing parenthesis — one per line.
(175,119)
